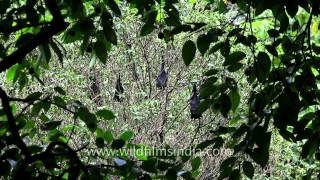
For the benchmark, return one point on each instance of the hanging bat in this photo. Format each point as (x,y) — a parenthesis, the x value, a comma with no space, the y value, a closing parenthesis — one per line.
(119,90)
(162,78)
(194,103)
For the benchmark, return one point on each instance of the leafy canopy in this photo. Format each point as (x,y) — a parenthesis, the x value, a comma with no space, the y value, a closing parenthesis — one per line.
(282,69)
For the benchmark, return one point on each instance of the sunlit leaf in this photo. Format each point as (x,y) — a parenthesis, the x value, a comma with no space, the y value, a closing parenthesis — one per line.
(126,135)
(11,73)
(106,114)
(195,163)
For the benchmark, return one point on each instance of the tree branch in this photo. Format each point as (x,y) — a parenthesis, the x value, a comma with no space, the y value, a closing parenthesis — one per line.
(12,124)
(57,24)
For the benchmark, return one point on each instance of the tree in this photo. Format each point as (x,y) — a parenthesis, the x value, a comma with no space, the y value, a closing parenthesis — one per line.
(282,69)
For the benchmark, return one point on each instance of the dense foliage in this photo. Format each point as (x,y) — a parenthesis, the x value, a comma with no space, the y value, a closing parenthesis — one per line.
(275,45)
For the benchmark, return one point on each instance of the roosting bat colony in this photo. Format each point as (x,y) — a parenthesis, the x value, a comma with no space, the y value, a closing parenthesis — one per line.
(161,83)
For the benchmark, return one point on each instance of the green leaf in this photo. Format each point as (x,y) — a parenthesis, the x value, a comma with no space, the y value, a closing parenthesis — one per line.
(118,143)
(59,101)
(204,40)
(203,43)
(108,31)
(50,125)
(36,108)
(60,90)
(228,163)
(235,175)
(248,169)
(181,28)
(106,114)
(111,35)
(211,72)
(234,58)
(172,21)
(88,118)
(260,154)
(46,106)
(173,18)
(207,90)
(127,135)
(225,104)
(34,96)
(235,32)
(57,51)
(262,66)
(76,9)
(310,146)
(69,127)
(107,136)
(147,29)
(252,39)
(101,51)
(273,33)
(86,27)
(44,117)
(205,144)
(99,142)
(234,120)
(35,149)
(141,155)
(72,34)
(216,47)
(281,15)
(195,163)
(235,67)
(4,5)
(222,7)
(45,55)
(272,50)
(150,165)
(225,48)
(235,99)
(113,6)
(99,132)
(196,173)
(23,80)
(188,52)
(292,7)
(21,122)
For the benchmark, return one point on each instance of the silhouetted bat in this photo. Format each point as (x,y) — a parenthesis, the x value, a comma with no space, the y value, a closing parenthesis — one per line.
(194,103)
(119,90)
(161,81)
